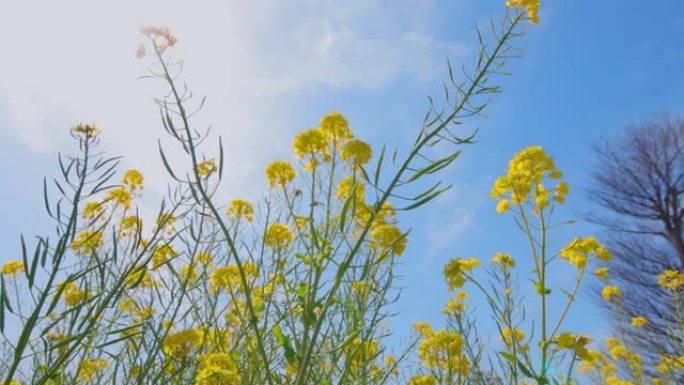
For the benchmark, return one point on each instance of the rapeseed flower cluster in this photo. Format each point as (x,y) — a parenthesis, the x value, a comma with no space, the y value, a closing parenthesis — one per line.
(278,235)
(161,37)
(579,250)
(442,350)
(89,369)
(524,181)
(456,268)
(88,130)
(280,173)
(11,268)
(72,294)
(217,369)
(182,343)
(87,242)
(240,208)
(530,6)
(671,280)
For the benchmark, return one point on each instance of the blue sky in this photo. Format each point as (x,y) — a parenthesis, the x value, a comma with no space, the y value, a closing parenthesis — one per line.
(590,68)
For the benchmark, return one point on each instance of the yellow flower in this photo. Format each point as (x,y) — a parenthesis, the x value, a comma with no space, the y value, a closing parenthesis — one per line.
(424,379)
(602,273)
(11,268)
(615,380)
(87,242)
(129,306)
(443,349)
(531,6)
(278,235)
(671,280)
(89,130)
(361,352)
(217,369)
(228,277)
(73,295)
(130,225)
(502,206)
(311,143)
(120,197)
(423,328)
(92,210)
(204,257)
(89,368)
(165,222)
(162,254)
(361,287)
(578,251)
(300,222)
(503,260)
(511,336)
(562,190)
(188,272)
(454,270)
(541,197)
(180,344)
(639,322)
(610,292)
(456,306)
(388,236)
(280,173)
(206,167)
(335,127)
(357,151)
(391,364)
(597,359)
(240,208)
(617,350)
(577,343)
(668,363)
(225,277)
(144,314)
(344,189)
(526,172)
(144,277)
(160,32)
(133,179)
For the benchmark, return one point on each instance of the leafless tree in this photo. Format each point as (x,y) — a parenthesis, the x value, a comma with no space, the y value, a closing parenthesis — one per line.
(638,184)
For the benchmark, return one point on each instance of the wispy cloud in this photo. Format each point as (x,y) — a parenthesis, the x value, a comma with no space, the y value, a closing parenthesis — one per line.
(73,61)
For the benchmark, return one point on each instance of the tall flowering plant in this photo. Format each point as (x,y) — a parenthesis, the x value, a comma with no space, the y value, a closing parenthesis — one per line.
(538,349)
(215,290)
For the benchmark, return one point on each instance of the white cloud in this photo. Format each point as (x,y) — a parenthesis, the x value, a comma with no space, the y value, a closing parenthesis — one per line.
(71,61)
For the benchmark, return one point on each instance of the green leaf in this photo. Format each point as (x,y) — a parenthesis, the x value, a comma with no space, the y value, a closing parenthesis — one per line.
(509,356)
(302,291)
(376,178)
(538,288)
(166,162)
(425,199)
(434,167)
(524,369)
(286,344)
(34,266)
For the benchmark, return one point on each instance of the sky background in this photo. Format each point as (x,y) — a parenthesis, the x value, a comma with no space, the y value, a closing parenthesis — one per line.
(272,68)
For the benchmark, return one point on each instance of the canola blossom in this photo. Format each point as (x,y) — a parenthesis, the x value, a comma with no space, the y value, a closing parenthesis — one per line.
(524,182)
(11,268)
(297,287)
